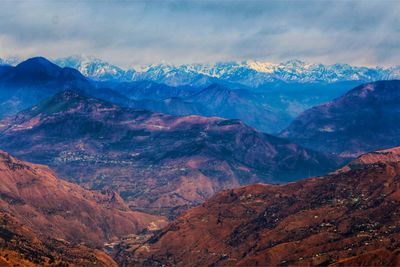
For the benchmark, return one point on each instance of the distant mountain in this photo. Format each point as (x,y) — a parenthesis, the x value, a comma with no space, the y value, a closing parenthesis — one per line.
(252,108)
(246,73)
(95,68)
(173,105)
(255,74)
(365,119)
(146,95)
(36,70)
(149,90)
(153,160)
(173,75)
(11,61)
(213,101)
(269,110)
(346,219)
(59,215)
(32,81)
(36,79)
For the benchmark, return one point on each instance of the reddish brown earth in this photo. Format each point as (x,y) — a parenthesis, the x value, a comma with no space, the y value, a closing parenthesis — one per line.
(350,218)
(21,246)
(36,197)
(155,161)
(380,156)
(45,219)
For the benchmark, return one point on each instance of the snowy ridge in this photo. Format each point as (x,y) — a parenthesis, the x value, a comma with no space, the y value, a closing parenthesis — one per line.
(94,68)
(249,73)
(10,61)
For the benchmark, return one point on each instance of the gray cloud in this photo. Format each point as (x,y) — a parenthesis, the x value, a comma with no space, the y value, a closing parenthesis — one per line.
(141,32)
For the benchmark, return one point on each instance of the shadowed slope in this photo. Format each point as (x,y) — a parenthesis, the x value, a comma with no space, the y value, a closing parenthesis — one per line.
(365,119)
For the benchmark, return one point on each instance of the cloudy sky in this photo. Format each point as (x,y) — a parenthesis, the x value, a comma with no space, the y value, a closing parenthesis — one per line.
(141,32)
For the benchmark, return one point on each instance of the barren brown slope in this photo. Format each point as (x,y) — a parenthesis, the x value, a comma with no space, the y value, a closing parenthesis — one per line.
(343,219)
(35,197)
(21,246)
(375,157)
(154,161)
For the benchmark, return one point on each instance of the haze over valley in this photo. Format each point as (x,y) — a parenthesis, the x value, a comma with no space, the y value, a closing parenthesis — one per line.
(147,158)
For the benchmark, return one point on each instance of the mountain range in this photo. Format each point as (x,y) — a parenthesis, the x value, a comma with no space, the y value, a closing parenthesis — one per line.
(34,80)
(269,110)
(256,109)
(257,74)
(154,161)
(246,73)
(130,152)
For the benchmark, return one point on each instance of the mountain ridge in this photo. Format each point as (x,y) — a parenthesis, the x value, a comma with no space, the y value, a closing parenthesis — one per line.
(49,205)
(250,73)
(46,221)
(105,146)
(362,120)
(269,108)
(343,219)
(33,80)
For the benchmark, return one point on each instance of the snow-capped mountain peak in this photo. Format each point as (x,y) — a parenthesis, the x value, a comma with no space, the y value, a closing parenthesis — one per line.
(266,67)
(248,73)
(92,67)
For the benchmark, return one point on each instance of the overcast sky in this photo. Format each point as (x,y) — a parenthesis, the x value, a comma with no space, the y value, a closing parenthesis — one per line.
(125,33)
